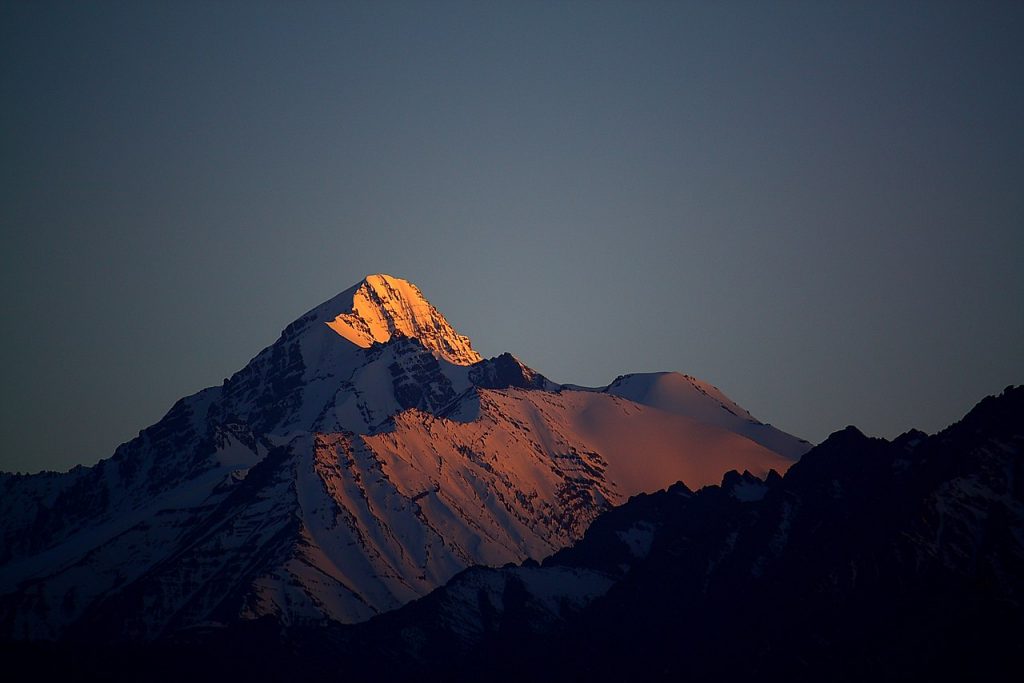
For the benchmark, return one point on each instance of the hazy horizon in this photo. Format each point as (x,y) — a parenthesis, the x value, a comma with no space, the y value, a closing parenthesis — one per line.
(816,207)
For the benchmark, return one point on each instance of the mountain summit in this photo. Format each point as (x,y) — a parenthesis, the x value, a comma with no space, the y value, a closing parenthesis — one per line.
(360,461)
(381,307)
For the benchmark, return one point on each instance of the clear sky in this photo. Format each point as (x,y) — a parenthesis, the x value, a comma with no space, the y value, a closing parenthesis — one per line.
(817,207)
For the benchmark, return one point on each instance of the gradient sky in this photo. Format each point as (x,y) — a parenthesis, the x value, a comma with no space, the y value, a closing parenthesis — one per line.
(817,207)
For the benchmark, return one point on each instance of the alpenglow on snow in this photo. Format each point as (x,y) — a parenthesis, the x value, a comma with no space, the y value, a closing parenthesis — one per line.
(359,462)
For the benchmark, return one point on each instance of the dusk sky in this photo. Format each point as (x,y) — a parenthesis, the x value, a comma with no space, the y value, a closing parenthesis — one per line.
(817,207)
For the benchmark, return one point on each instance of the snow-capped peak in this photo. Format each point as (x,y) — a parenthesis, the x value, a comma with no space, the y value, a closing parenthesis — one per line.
(364,458)
(380,307)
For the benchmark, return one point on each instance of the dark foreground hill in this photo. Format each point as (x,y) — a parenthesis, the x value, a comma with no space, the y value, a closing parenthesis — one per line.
(869,560)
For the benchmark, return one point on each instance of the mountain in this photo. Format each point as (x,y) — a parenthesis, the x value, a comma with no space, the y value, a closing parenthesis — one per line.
(359,462)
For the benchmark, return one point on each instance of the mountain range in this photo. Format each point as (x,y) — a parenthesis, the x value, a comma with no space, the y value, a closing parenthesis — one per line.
(867,560)
(360,462)
(369,498)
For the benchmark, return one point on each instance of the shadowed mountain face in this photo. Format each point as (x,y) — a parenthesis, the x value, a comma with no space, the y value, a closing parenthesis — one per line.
(359,462)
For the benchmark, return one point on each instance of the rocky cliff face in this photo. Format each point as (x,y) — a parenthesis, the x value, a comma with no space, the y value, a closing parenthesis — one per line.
(359,462)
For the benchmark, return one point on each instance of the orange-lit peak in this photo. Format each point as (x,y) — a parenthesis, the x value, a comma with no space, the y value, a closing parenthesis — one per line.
(382,305)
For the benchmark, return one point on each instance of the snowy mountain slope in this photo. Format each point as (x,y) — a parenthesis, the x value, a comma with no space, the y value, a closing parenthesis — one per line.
(360,461)
(686,395)
(868,560)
